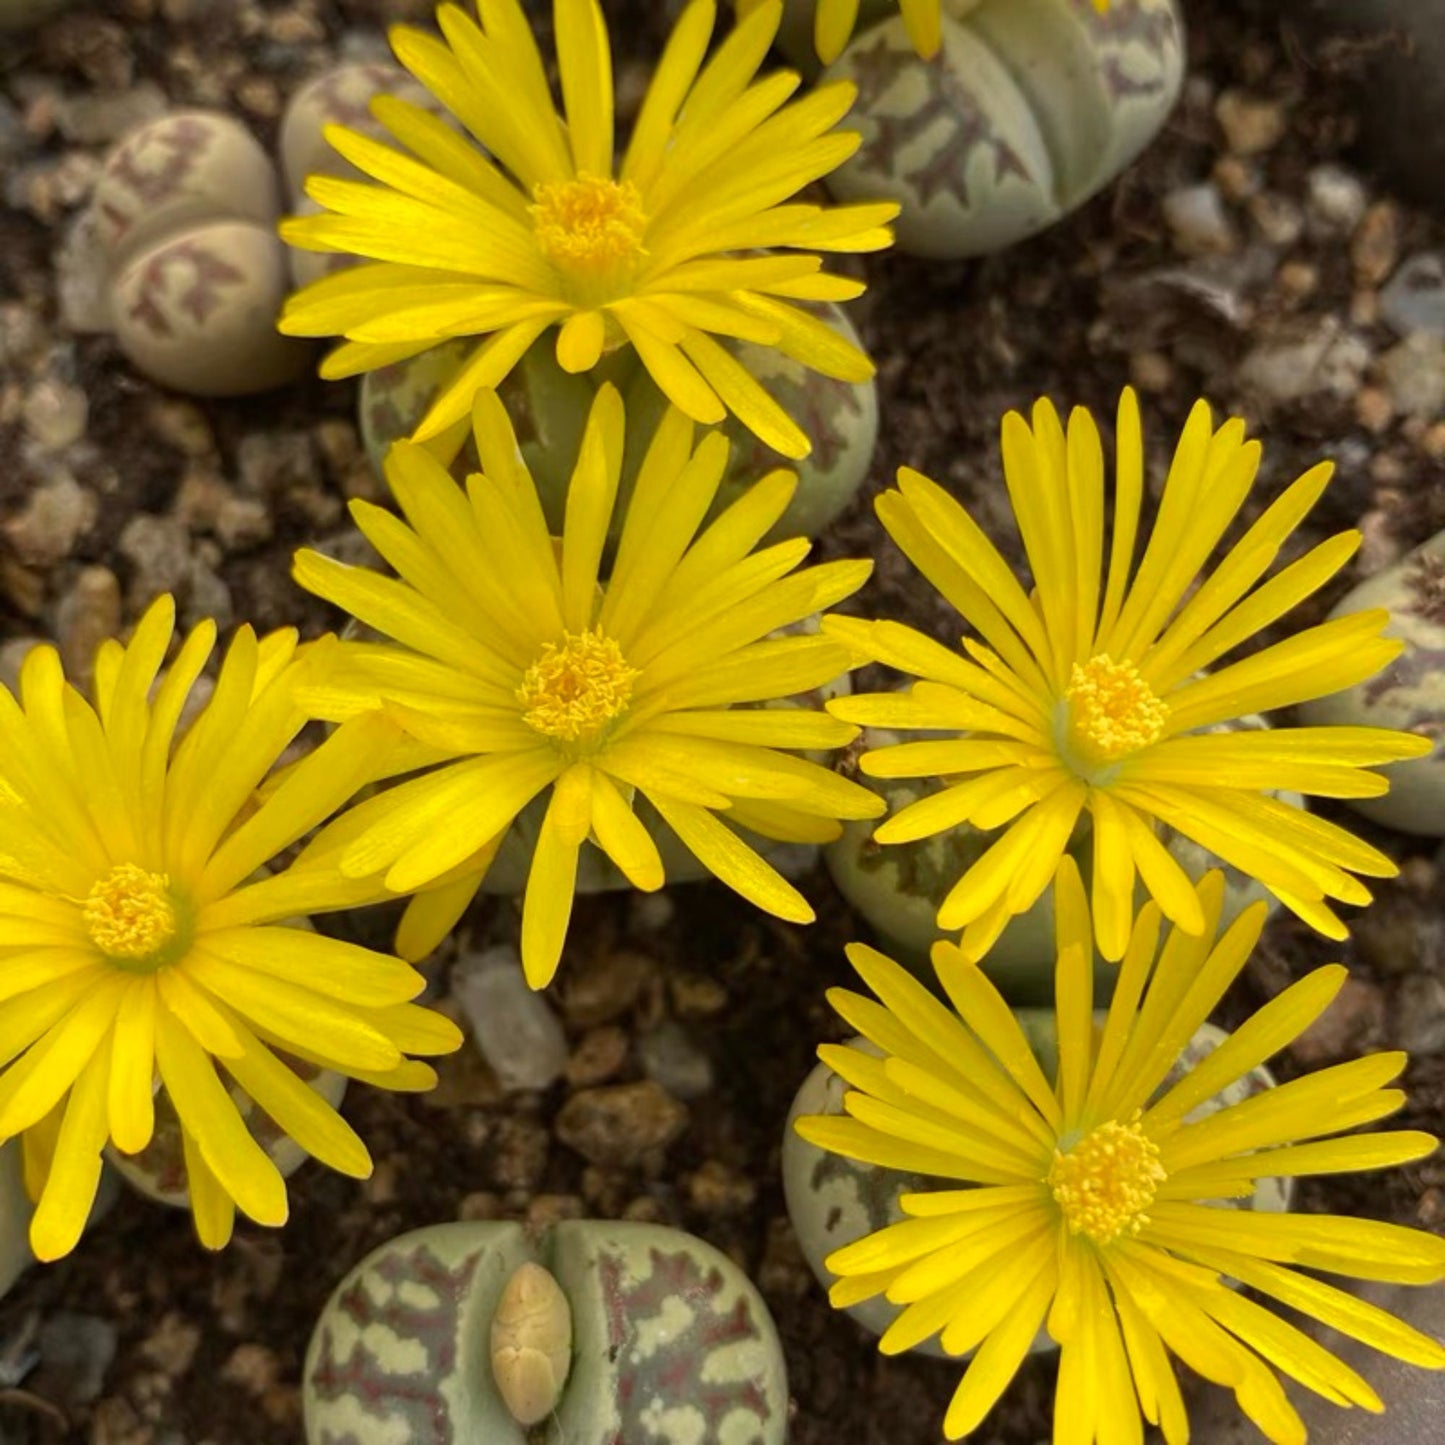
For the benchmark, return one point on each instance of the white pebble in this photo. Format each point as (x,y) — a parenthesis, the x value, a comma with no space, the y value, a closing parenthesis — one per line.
(517,1033)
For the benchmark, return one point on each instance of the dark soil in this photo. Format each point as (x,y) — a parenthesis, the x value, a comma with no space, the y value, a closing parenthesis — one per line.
(1075,314)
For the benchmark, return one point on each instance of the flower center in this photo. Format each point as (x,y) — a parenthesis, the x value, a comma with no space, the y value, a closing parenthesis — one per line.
(1106,1181)
(130,914)
(577,687)
(591,230)
(1112,710)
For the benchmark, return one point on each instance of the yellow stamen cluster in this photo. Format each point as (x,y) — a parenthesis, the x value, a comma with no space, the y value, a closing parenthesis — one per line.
(591,230)
(576,687)
(1106,1181)
(1112,710)
(130,914)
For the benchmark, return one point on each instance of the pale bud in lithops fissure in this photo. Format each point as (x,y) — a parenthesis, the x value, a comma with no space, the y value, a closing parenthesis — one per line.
(531,1343)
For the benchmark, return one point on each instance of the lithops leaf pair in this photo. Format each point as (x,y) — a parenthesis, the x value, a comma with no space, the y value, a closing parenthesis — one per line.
(1029,108)
(185,215)
(595,1333)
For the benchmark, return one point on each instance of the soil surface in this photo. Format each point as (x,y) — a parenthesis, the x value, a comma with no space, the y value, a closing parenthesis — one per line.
(171,1346)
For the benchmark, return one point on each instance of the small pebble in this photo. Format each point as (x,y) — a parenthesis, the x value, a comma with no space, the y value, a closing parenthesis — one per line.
(598,1057)
(88,614)
(172,1344)
(716,1189)
(159,552)
(670,1058)
(76,1351)
(1198,220)
(515,1029)
(1420,1015)
(605,987)
(1375,246)
(1280,220)
(1250,126)
(1373,408)
(1336,197)
(55,516)
(55,414)
(1310,356)
(1414,299)
(614,1126)
(1414,372)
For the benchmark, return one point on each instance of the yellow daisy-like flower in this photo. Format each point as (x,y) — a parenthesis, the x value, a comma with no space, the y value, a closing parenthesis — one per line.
(140,944)
(1098,1205)
(834,20)
(520,671)
(1089,695)
(543,231)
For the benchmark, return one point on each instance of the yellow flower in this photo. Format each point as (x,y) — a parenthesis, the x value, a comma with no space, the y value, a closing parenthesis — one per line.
(139,940)
(1089,693)
(521,673)
(541,230)
(1098,1206)
(834,20)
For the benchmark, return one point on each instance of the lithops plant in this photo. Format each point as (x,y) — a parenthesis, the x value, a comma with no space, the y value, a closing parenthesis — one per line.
(461,1332)
(185,213)
(1029,108)
(159,1170)
(1408,694)
(833,1201)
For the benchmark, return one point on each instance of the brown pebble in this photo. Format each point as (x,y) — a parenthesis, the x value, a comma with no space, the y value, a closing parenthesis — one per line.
(643,1210)
(1373,408)
(1375,246)
(1250,126)
(253,1367)
(619,1123)
(88,614)
(696,995)
(1432,443)
(172,1344)
(548,1209)
(1298,279)
(54,518)
(605,987)
(1151,371)
(1365,307)
(600,1054)
(717,1189)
